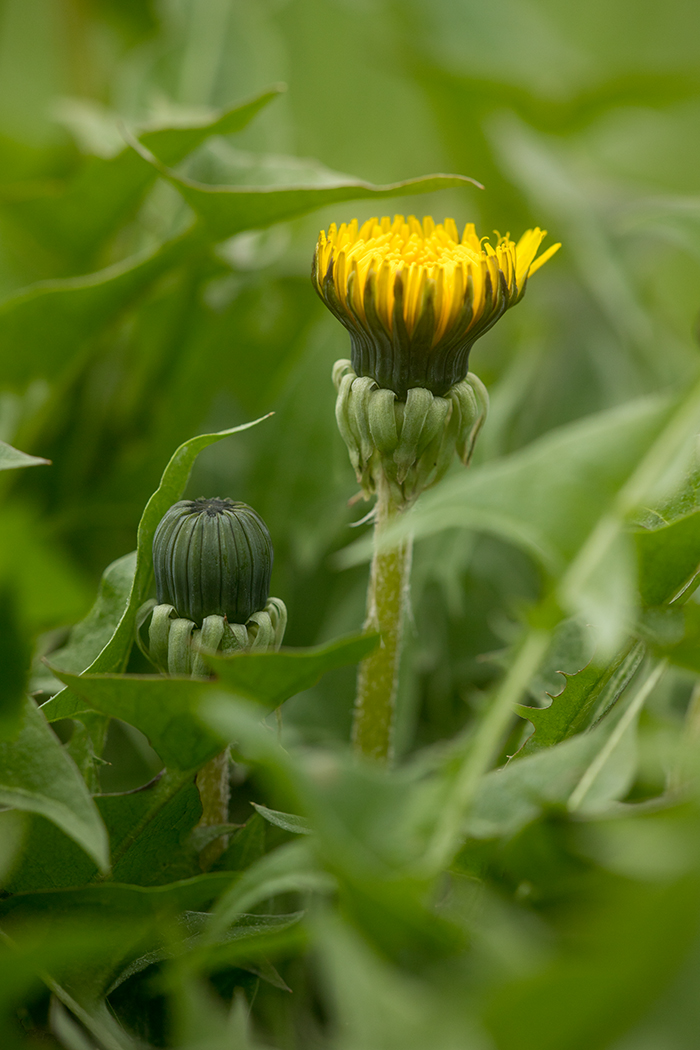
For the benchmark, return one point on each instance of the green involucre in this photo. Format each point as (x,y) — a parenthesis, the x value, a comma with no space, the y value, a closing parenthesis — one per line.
(212,557)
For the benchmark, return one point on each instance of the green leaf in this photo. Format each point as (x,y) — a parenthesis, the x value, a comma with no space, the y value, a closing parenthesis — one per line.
(592,691)
(149,831)
(567,499)
(547,497)
(290,868)
(240,940)
(15,656)
(286,821)
(162,708)
(616,958)
(89,637)
(562,718)
(668,558)
(511,797)
(11,458)
(49,324)
(106,191)
(37,775)
(228,210)
(247,846)
(686,652)
(141,913)
(49,592)
(114,655)
(271,678)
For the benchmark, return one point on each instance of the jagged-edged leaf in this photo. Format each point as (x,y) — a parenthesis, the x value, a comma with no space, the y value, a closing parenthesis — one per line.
(593,690)
(37,775)
(227,210)
(162,708)
(114,655)
(668,558)
(558,721)
(271,678)
(286,821)
(106,190)
(11,458)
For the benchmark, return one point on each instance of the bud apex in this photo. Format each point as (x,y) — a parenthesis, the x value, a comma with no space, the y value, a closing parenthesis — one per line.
(212,557)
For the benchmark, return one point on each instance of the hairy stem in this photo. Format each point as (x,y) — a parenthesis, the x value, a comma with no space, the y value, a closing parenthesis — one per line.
(213,787)
(386,603)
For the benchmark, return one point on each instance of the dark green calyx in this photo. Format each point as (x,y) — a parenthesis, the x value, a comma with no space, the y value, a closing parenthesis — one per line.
(212,557)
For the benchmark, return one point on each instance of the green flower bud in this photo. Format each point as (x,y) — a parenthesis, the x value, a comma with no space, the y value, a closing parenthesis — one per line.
(212,557)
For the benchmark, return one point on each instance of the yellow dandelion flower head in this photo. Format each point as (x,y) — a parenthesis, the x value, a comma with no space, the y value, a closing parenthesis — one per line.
(415,296)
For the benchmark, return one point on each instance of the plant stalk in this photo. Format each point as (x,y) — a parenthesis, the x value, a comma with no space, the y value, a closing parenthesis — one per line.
(214,793)
(387,599)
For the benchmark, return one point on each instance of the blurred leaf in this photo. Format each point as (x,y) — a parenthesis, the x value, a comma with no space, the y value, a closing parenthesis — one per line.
(48,590)
(238,942)
(114,655)
(106,191)
(619,956)
(668,558)
(89,637)
(45,328)
(15,655)
(566,498)
(271,678)
(686,652)
(286,821)
(37,775)
(32,954)
(511,797)
(227,210)
(11,458)
(549,496)
(288,869)
(13,835)
(376,1005)
(142,914)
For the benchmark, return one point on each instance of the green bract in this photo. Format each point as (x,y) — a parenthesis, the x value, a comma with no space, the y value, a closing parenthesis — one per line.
(212,557)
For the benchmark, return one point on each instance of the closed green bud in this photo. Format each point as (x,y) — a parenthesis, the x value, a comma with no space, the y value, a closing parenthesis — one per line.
(212,557)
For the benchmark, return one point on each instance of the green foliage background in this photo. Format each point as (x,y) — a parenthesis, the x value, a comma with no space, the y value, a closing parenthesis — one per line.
(158,213)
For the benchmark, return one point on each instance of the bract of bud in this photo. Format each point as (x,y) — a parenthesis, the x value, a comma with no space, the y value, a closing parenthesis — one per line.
(177,646)
(412,442)
(212,557)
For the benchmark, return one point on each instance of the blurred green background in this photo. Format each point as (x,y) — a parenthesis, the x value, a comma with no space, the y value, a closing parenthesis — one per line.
(122,336)
(579,118)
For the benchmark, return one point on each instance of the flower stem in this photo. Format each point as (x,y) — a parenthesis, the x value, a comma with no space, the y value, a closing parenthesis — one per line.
(377,679)
(213,787)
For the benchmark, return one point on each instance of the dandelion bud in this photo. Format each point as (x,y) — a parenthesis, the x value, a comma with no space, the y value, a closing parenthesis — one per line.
(212,557)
